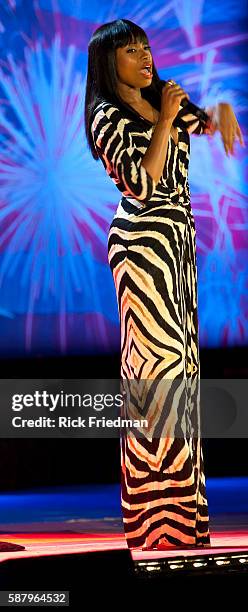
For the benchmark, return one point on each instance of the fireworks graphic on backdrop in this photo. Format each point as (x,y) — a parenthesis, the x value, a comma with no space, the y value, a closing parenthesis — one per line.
(47,213)
(56,203)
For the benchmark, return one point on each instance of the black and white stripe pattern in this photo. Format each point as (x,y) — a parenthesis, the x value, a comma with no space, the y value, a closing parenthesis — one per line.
(152,255)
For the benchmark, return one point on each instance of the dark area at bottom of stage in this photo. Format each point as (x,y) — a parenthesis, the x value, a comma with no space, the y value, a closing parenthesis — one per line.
(94,577)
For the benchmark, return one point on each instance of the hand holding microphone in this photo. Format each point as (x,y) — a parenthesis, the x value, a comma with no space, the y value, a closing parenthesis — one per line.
(172,97)
(175,91)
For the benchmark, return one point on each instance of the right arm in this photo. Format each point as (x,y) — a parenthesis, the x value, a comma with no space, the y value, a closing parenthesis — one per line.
(155,156)
(135,174)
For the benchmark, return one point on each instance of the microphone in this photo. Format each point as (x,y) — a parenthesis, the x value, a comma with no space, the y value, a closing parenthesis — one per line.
(189,106)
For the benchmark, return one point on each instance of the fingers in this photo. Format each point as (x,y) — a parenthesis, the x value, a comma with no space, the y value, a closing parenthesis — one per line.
(174,88)
(172,95)
(228,145)
(180,95)
(229,128)
(178,92)
(229,138)
(230,132)
(225,147)
(230,141)
(240,136)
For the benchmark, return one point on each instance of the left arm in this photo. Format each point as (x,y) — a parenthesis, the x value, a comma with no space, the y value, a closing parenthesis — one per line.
(193,124)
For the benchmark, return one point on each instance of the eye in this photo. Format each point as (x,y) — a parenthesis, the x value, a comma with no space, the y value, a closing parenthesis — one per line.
(133,49)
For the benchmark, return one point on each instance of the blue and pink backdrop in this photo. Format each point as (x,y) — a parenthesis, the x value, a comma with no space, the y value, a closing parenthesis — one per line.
(56,290)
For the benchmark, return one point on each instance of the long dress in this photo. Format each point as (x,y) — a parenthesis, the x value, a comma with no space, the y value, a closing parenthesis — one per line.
(152,255)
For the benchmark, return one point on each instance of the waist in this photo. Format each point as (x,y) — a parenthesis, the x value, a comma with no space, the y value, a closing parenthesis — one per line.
(174,198)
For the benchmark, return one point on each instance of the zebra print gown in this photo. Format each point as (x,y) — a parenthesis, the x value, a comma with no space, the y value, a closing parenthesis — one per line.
(152,255)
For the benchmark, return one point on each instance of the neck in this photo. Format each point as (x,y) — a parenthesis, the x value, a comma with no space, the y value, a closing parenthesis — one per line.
(129,94)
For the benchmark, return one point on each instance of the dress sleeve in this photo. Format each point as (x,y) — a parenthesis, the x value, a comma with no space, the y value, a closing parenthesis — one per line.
(193,124)
(115,145)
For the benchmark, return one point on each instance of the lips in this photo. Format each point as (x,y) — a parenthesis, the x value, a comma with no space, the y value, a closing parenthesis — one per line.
(146,70)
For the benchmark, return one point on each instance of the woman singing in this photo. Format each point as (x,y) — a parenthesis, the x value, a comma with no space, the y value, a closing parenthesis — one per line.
(139,129)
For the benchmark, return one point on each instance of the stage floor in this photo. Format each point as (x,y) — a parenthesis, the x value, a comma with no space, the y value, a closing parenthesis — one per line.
(86,519)
(41,544)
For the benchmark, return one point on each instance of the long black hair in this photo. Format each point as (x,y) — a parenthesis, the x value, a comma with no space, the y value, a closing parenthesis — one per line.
(102,77)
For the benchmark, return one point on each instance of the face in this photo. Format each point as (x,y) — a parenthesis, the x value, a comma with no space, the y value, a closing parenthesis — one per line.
(130,64)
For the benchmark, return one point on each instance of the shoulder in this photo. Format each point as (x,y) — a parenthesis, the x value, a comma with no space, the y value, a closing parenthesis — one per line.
(106,110)
(107,120)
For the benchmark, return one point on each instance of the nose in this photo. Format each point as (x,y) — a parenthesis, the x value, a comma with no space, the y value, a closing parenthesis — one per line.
(146,57)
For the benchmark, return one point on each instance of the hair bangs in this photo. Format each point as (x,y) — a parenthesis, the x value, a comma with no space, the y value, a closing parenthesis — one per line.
(127,32)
